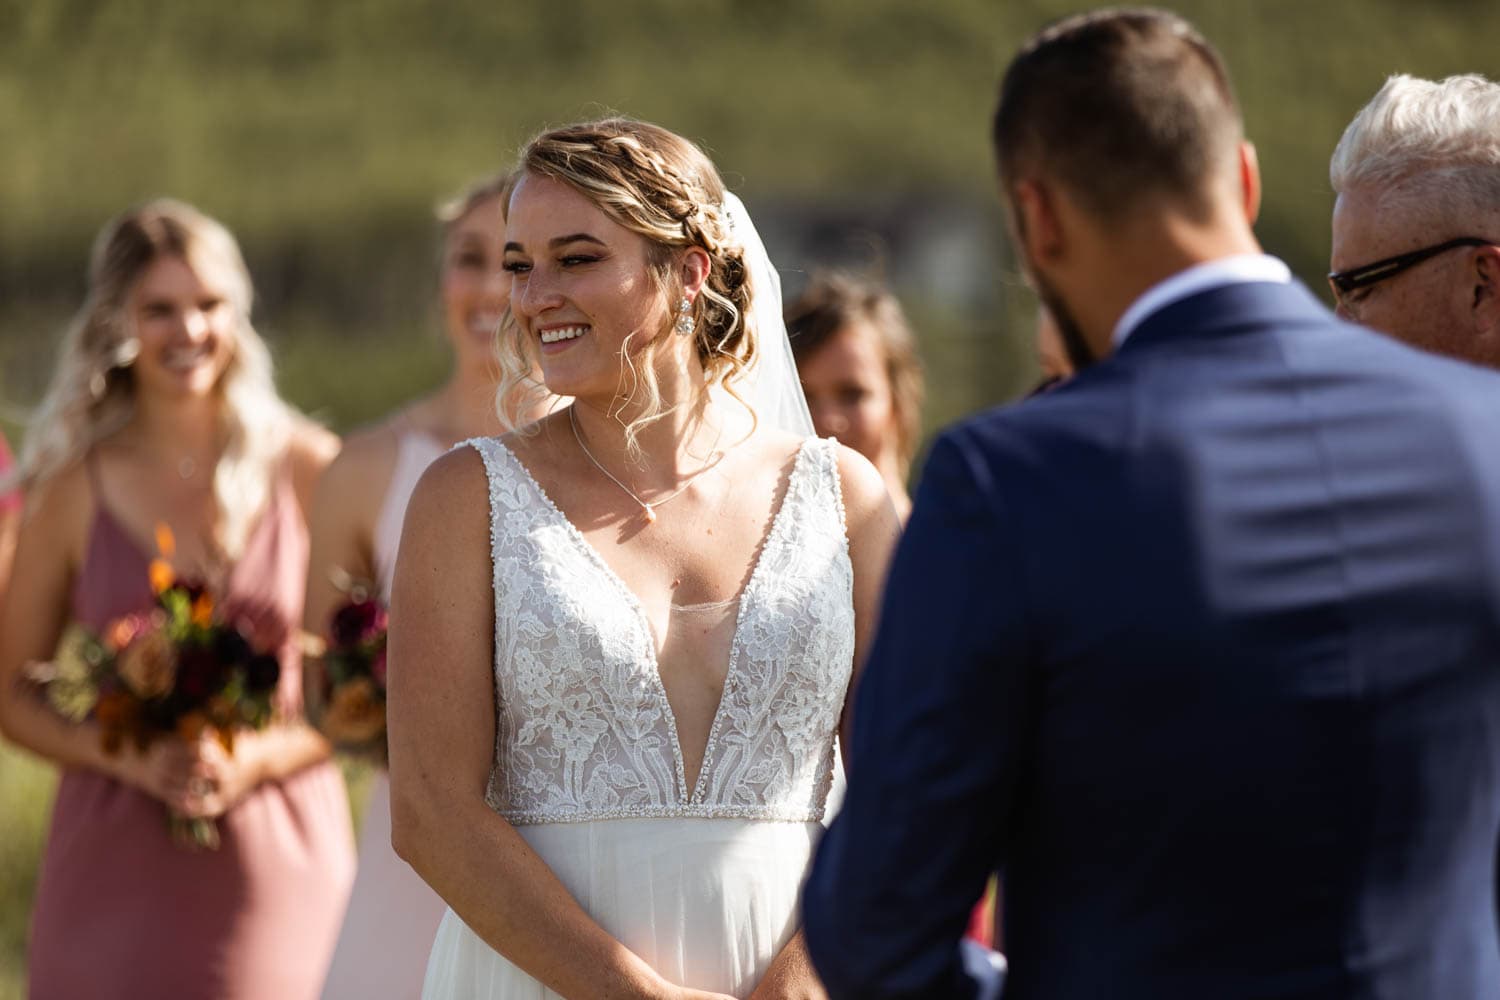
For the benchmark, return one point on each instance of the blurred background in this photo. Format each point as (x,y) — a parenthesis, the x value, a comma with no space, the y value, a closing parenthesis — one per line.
(325,134)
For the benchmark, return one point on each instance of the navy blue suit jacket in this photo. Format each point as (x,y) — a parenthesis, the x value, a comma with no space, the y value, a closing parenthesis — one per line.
(1202,650)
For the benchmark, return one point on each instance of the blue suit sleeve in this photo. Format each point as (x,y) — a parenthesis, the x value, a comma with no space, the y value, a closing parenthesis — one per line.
(939,726)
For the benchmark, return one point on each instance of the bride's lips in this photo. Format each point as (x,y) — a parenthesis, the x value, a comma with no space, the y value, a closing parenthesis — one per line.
(560,336)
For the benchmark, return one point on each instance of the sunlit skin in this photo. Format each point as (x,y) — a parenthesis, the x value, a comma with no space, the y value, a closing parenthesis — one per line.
(716,477)
(849,395)
(574,268)
(184,323)
(1445,304)
(476,287)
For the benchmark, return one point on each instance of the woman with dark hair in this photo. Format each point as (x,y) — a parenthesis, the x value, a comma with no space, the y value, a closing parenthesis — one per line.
(858,362)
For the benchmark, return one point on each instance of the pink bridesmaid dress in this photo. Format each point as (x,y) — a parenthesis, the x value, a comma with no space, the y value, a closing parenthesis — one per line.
(121,912)
(8,501)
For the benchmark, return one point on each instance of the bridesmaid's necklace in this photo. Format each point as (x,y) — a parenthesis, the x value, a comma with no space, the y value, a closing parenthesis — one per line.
(648,508)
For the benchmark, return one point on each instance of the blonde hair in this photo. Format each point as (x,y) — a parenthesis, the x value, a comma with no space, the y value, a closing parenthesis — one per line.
(92,393)
(1436,144)
(662,187)
(451,212)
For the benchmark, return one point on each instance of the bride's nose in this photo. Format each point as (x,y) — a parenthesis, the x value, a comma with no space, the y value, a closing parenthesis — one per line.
(533,293)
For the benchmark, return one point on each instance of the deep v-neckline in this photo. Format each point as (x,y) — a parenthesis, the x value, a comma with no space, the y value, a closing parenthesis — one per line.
(648,633)
(225,578)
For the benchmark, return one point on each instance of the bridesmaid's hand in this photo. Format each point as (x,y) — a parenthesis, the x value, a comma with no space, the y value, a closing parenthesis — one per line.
(164,770)
(218,779)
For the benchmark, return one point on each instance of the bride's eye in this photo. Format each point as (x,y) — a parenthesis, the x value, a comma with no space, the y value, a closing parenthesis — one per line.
(515,266)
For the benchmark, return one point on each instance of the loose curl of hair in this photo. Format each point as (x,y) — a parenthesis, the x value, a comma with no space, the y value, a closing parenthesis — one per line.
(662,187)
(93,394)
(832,302)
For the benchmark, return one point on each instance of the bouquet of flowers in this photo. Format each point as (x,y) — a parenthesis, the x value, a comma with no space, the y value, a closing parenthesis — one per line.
(353,691)
(177,670)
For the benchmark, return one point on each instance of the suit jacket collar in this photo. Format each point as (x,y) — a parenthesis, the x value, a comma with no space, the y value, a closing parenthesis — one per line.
(1229,309)
(1236,269)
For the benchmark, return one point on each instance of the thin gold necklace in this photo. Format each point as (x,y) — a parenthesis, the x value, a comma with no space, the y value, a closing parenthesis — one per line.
(649,509)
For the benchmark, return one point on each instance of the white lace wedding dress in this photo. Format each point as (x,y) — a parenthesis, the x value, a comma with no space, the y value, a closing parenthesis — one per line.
(702,883)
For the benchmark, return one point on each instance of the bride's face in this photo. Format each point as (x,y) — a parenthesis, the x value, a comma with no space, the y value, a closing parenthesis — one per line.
(582,288)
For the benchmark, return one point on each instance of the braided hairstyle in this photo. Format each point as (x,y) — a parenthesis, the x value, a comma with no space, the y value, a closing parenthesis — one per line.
(664,188)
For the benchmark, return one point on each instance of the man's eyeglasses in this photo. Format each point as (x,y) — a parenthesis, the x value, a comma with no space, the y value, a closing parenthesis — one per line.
(1344,282)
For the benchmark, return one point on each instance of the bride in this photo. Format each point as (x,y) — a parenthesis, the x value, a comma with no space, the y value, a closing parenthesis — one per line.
(624,636)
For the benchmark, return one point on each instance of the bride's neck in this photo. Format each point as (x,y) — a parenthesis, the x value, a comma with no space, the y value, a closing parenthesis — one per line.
(674,445)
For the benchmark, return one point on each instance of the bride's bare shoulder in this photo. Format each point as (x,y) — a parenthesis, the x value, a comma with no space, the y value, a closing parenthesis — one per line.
(451,494)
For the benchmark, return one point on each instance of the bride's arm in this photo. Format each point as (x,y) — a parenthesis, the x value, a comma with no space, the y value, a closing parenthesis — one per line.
(872,525)
(442,738)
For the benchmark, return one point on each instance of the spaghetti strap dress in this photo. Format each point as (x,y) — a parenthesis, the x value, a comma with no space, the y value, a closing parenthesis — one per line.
(393,915)
(121,912)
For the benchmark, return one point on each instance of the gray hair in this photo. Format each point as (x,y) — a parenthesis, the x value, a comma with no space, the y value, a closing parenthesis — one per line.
(1433,143)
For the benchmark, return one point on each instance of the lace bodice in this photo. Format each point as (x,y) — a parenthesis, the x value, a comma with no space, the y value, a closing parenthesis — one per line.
(584,730)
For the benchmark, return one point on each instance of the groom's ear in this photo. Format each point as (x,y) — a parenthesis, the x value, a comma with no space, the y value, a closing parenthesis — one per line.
(1034,211)
(1249,169)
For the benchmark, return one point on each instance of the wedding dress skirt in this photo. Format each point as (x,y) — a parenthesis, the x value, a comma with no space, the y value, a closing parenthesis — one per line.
(707,903)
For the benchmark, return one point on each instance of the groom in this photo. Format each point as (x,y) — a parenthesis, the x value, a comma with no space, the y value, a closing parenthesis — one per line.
(1202,649)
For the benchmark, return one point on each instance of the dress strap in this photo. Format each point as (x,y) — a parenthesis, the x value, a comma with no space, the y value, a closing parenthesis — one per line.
(827,451)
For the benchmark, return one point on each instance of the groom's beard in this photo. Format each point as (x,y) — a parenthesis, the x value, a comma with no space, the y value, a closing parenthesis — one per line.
(1080,355)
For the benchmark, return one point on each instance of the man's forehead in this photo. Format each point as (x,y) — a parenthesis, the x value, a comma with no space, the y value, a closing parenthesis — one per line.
(1370,224)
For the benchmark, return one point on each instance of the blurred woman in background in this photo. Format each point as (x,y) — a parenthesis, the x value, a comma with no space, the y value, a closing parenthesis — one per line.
(858,362)
(162,411)
(393,915)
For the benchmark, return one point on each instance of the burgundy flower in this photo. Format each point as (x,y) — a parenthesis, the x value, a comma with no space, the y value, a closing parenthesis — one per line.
(199,673)
(262,672)
(231,646)
(357,622)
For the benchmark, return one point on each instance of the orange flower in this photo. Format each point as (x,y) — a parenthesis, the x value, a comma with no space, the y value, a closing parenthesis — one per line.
(203,610)
(355,714)
(165,543)
(191,726)
(118,714)
(162,576)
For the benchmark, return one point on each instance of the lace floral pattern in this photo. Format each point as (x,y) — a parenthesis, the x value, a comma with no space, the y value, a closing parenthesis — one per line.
(584,728)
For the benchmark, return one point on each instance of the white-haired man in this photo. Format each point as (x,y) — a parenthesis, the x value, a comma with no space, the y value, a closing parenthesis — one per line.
(1416,228)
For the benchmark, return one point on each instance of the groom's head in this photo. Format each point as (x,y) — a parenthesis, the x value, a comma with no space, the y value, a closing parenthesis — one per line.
(1120,147)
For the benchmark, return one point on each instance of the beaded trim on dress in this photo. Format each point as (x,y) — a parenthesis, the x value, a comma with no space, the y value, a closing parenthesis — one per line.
(584,730)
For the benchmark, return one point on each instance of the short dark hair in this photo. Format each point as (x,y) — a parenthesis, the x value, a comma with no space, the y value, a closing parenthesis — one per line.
(834,300)
(1116,104)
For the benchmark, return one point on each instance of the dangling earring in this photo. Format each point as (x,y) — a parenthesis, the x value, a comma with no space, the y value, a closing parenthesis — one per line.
(684,317)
